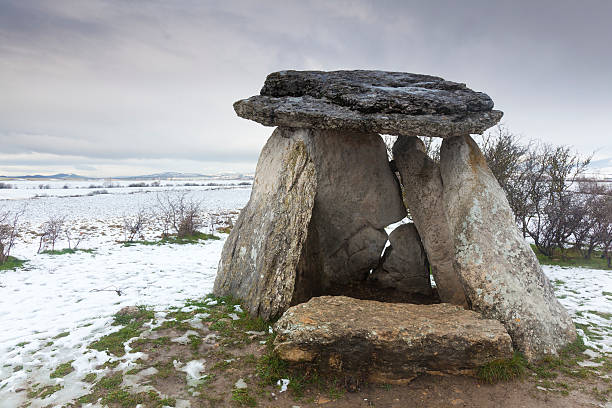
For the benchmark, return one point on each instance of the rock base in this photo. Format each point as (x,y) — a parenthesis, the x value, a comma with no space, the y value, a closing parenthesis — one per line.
(389,342)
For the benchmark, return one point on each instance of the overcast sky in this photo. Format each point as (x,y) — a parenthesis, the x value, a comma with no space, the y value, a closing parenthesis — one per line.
(118,87)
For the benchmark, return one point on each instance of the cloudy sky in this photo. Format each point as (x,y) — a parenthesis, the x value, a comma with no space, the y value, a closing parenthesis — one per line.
(125,87)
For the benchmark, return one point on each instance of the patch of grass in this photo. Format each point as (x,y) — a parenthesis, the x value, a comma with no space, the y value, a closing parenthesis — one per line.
(62,370)
(110,382)
(589,330)
(12,263)
(566,362)
(559,282)
(606,293)
(90,378)
(23,343)
(110,364)
(63,334)
(141,313)
(607,316)
(335,391)
(17,368)
(180,315)
(572,257)
(503,369)
(142,344)
(165,369)
(132,322)
(195,342)
(270,368)
(174,324)
(114,342)
(66,251)
(242,397)
(174,239)
(44,392)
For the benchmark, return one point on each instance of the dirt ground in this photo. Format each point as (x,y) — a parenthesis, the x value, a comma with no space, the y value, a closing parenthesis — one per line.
(239,369)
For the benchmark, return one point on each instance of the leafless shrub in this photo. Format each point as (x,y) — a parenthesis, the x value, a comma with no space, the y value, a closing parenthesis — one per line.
(52,230)
(9,223)
(74,238)
(178,213)
(133,226)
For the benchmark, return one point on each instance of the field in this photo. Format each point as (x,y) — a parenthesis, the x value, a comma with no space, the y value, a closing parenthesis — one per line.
(54,307)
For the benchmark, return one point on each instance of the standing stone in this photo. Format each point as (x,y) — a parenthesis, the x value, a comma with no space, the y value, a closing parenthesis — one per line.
(305,231)
(404,264)
(500,273)
(261,254)
(423,196)
(357,197)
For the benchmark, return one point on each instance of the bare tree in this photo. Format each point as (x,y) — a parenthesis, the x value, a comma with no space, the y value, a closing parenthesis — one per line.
(9,223)
(52,230)
(556,209)
(179,213)
(133,226)
(73,238)
(504,152)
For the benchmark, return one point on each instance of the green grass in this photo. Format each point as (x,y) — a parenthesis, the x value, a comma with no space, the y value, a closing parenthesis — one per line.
(173,239)
(90,378)
(62,370)
(572,257)
(11,263)
(142,314)
(110,393)
(66,251)
(43,392)
(503,370)
(63,334)
(114,342)
(242,397)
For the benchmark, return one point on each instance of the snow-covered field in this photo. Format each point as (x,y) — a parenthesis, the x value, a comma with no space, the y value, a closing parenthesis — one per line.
(55,306)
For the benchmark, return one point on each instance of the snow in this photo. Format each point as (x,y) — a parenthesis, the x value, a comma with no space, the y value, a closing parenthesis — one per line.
(52,309)
(283,382)
(75,295)
(587,296)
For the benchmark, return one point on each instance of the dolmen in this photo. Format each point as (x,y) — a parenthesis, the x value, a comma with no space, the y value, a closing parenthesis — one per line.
(315,225)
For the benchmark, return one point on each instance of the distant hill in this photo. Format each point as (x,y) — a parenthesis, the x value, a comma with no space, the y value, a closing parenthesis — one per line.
(60,176)
(169,175)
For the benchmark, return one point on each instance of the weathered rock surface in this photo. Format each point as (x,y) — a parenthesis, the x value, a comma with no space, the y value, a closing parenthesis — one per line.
(357,197)
(261,254)
(305,230)
(388,342)
(370,102)
(500,273)
(423,195)
(404,264)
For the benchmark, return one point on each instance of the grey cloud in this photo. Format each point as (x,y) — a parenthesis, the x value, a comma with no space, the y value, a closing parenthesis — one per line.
(156,79)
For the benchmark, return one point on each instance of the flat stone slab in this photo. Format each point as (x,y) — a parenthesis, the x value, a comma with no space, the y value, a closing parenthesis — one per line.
(389,342)
(394,103)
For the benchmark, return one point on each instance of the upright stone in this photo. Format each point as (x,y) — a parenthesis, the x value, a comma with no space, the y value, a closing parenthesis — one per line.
(261,254)
(404,264)
(357,196)
(423,196)
(500,273)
